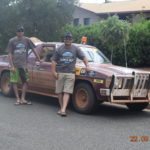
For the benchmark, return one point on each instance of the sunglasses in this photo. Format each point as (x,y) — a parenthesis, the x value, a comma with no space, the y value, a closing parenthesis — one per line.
(68,38)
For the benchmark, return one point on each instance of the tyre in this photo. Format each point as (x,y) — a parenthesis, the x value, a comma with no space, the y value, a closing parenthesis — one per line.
(6,86)
(137,106)
(84,100)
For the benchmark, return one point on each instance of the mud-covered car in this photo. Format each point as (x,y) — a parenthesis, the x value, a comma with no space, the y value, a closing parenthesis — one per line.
(104,82)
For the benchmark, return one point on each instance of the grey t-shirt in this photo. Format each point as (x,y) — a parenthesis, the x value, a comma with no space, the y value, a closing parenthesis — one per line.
(66,58)
(19,50)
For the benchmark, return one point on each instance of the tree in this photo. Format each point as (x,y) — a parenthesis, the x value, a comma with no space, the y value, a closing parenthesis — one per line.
(139,44)
(41,18)
(115,34)
(44,18)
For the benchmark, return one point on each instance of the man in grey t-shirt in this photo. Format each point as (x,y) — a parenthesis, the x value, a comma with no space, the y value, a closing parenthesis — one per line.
(65,58)
(18,47)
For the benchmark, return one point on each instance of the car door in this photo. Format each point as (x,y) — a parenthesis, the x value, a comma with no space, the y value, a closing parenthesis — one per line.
(32,72)
(42,73)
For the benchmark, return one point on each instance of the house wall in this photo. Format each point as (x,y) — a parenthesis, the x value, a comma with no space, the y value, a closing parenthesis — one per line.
(81,14)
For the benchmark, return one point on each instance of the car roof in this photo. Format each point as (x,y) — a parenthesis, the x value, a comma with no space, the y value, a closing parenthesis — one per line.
(57,44)
(37,42)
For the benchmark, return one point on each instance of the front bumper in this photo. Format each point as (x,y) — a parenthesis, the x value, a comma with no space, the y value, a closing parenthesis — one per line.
(129,88)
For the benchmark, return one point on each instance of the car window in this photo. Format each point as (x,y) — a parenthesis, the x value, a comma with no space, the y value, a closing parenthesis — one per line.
(94,55)
(38,50)
(47,53)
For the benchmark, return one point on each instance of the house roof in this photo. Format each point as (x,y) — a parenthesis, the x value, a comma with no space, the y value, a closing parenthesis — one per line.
(118,7)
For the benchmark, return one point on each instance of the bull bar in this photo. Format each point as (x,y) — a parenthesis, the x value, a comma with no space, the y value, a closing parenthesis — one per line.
(129,88)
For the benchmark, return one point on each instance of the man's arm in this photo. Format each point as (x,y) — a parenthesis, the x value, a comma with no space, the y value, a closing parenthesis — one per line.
(81,55)
(54,69)
(10,55)
(32,46)
(37,56)
(86,63)
(54,60)
(11,62)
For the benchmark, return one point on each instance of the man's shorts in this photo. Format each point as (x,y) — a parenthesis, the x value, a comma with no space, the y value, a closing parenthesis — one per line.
(65,83)
(20,74)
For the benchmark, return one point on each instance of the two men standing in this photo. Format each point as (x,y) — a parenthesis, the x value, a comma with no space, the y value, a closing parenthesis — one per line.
(63,67)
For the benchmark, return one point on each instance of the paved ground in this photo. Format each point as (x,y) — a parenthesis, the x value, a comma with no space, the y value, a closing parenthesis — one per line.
(37,127)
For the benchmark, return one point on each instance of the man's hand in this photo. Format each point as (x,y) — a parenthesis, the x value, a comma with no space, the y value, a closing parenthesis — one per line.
(55,74)
(87,68)
(13,69)
(41,61)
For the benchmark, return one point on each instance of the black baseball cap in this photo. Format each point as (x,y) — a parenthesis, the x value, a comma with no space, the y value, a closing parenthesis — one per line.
(20,29)
(68,34)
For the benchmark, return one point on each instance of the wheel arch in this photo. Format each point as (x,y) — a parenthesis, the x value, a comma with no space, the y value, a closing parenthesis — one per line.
(6,70)
(87,82)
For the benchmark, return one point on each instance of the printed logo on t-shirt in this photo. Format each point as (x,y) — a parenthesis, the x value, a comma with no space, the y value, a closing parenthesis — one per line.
(20,48)
(67,58)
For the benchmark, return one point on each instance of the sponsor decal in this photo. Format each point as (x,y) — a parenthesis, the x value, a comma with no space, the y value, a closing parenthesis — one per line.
(77,71)
(98,81)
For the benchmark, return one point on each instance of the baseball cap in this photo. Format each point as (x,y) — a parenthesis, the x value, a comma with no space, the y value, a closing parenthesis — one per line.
(20,29)
(68,34)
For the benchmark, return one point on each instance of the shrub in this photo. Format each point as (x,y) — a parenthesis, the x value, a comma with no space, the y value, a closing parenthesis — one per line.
(139,44)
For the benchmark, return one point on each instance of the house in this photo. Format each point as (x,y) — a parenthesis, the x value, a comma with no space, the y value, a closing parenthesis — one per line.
(88,13)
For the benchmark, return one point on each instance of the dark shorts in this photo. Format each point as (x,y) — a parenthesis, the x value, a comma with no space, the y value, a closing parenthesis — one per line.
(20,74)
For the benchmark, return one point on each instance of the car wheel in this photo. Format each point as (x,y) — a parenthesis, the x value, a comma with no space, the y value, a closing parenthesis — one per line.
(84,100)
(137,107)
(6,86)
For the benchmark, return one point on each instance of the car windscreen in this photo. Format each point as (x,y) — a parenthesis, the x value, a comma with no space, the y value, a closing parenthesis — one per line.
(94,55)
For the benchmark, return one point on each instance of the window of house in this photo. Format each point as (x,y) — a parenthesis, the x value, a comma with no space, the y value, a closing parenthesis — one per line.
(86,21)
(76,22)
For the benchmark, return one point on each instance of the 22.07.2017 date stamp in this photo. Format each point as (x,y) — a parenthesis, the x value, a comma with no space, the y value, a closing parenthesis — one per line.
(143,138)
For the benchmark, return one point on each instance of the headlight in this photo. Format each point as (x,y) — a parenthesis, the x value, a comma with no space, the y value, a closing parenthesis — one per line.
(118,82)
(108,81)
(91,73)
(83,71)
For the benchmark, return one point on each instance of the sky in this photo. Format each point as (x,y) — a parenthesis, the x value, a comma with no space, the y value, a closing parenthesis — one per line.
(96,1)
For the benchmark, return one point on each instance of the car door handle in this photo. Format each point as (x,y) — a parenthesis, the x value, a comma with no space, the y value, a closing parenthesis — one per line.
(41,69)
